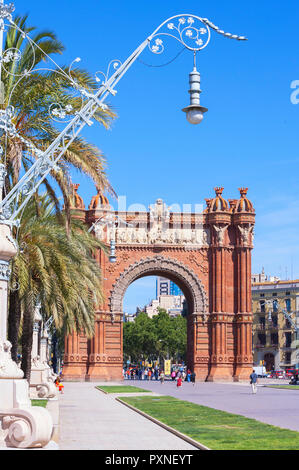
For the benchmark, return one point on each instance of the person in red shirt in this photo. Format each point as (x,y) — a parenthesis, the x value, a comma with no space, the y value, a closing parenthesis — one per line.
(179,382)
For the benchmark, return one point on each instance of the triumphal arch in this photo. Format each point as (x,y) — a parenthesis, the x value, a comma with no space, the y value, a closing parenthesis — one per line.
(207,254)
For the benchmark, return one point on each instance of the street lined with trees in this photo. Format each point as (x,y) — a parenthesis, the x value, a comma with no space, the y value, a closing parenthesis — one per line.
(158,338)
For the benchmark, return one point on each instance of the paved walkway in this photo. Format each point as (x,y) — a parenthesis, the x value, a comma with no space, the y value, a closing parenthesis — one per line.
(273,406)
(92,420)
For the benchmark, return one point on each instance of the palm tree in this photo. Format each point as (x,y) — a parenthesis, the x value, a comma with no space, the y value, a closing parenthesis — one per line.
(55,266)
(58,269)
(33,97)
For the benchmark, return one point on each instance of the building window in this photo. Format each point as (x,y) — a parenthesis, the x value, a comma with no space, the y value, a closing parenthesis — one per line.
(288,293)
(262,306)
(288,357)
(261,339)
(274,321)
(262,322)
(262,295)
(275,306)
(288,340)
(288,305)
(274,339)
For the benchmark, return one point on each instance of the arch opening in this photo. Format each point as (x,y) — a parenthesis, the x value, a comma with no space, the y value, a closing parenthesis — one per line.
(183,277)
(175,271)
(155,329)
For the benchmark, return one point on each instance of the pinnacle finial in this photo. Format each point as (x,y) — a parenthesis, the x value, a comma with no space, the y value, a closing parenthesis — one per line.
(218,191)
(243,191)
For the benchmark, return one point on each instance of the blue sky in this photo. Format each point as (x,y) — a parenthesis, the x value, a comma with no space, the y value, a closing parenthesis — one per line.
(249,137)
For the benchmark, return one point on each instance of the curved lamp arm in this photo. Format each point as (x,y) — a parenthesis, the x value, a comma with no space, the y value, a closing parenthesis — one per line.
(186,32)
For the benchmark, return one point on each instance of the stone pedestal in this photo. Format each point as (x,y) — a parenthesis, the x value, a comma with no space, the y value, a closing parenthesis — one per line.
(41,377)
(41,384)
(21,425)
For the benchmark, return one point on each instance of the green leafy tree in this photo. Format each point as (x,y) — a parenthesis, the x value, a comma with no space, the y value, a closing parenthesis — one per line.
(139,338)
(160,337)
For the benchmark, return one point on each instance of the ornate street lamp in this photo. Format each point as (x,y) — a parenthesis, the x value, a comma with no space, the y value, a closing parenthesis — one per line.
(194,112)
(32,426)
(194,34)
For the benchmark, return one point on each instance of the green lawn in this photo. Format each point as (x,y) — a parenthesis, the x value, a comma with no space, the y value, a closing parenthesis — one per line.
(289,387)
(216,429)
(39,403)
(121,389)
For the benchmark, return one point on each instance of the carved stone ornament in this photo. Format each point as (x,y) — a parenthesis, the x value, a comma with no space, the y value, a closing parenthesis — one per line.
(245,232)
(8,368)
(159,213)
(46,390)
(42,379)
(25,428)
(220,231)
(4,271)
(165,267)
(158,233)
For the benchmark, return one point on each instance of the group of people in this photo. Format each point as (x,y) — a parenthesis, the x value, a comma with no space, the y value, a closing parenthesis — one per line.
(181,376)
(156,373)
(142,373)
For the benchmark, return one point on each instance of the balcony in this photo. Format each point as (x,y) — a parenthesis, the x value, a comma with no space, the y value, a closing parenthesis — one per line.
(266,346)
(288,346)
(260,326)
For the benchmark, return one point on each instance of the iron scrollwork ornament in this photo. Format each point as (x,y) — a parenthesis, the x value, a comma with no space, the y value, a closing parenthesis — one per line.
(191,31)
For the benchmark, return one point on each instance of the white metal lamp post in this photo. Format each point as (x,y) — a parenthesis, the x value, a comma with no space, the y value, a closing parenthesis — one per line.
(194,112)
(27,426)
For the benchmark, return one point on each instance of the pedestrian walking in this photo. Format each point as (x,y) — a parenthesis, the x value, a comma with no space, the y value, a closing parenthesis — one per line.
(253,381)
(179,382)
(192,378)
(173,374)
(188,375)
(59,385)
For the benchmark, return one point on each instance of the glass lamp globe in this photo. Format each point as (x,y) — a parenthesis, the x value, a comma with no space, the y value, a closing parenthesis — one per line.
(194,113)
(194,116)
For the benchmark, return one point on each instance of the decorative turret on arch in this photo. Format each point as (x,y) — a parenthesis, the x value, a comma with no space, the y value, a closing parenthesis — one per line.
(185,278)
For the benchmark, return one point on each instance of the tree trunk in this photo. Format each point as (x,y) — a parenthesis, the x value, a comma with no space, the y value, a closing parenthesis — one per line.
(27,339)
(14,318)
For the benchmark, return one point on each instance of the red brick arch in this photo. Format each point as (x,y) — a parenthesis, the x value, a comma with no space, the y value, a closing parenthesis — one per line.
(210,261)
